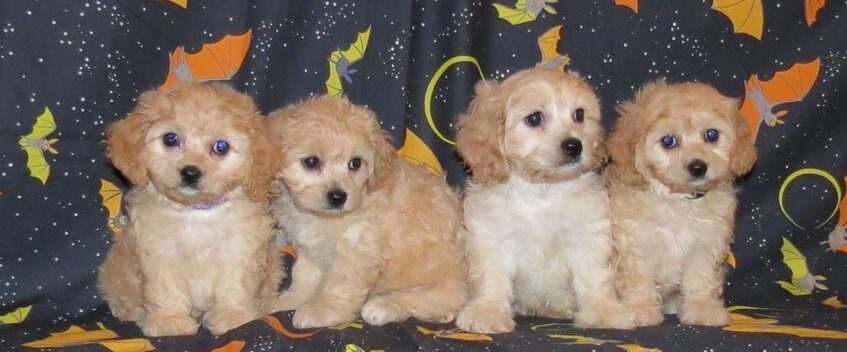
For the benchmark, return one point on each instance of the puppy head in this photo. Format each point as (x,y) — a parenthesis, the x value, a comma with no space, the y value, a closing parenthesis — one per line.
(195,143)
(687,137)
(540,124)
(334,153)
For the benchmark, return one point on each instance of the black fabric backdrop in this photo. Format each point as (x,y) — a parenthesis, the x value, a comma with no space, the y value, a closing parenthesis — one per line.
(86,61)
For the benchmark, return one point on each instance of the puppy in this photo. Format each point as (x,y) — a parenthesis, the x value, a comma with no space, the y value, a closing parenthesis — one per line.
(536,210)
(199,242)
(373,233)
(676,150)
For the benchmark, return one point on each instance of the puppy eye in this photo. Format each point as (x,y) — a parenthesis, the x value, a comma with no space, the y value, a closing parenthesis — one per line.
(311,162)
(669,141)
(220,147)
(579,115)
(354,164)
(170,139)
(535,119)
(711,135)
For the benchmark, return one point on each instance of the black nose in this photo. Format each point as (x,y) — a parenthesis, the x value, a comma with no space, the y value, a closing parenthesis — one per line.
(572,147)
(190,174)
(697,168)
(336,198)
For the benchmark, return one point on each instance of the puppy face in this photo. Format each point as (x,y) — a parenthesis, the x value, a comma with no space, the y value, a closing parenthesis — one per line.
(543,125)
(195,143)
(687,137)
(334,153)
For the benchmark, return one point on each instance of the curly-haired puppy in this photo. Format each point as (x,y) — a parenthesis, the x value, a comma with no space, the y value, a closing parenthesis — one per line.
(676,150)
(536,210)
(373,233)
(199,242)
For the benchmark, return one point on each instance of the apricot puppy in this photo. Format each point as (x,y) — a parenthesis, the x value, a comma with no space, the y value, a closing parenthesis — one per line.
(199,244)
(537,211)
(676,149)
(374,234)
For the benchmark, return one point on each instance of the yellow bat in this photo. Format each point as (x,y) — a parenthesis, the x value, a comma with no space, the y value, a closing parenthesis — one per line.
(524,10)
(631,347)
(802,281)
(548,43)
(582,340)
(352,347)
(36,143)
(15,316)
(454,334)
(417,152)
(112,198)
(746,16)
(340,62)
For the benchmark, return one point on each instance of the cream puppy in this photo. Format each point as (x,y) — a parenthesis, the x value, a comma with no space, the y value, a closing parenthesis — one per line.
(374,234)
(537,211)
(676,150)
(199,244)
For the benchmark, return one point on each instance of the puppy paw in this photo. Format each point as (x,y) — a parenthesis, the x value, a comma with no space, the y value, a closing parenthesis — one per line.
(708,312)
(382,310)
(486,318)
(283,302)
(315,315)
(126,313)
(168,325)
(605,315)
(646,314)
(219,321)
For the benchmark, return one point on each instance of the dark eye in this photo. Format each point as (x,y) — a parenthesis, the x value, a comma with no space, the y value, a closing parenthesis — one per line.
(712,135)
(311,162)
(668,141)
(354,164)
(170,139)
(579,115)
(220,147)
(534,120)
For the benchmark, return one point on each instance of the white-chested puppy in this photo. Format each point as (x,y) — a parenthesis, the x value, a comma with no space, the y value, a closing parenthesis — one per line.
(676,150)
(536,210)
(373,233)
(199,243)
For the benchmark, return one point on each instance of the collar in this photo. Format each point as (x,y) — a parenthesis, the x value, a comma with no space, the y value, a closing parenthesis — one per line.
(214,203)
(695,195)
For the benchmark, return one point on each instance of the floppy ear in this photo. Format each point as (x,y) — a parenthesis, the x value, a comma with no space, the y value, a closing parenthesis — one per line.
(481,133)
(385,155)
(743,154)
(265,161)
(622,145)
(125,140)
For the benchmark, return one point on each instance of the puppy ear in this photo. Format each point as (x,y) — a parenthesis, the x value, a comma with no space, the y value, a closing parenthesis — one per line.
(385,155)
(125,139)
(743,154)
(265,161)
(481,133)
(623,143)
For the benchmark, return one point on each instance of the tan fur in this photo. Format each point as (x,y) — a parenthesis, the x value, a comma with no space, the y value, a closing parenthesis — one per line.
(175,264)
(538,222)
(391,251)
(670,248)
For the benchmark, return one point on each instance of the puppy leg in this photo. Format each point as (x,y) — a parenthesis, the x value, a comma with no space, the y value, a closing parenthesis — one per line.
(593,281)
(166,301)
(702,286)
(638,290)
(344,290)
(437,303)
(272,275)
(119,283)
(490,306)
(306,278)
(556,301)
(235,292)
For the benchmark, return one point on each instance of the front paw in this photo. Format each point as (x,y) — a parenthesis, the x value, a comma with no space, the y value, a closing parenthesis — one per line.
(708,312)
(157,324)
(381,310)
(486,318)
(219,321)
(283,302)
(318,315)
(646,314)
(605,315)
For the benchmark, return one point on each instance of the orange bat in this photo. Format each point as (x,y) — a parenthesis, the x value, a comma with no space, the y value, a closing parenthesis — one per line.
(812,8)
(631,4)
(763,97)
(215,61)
